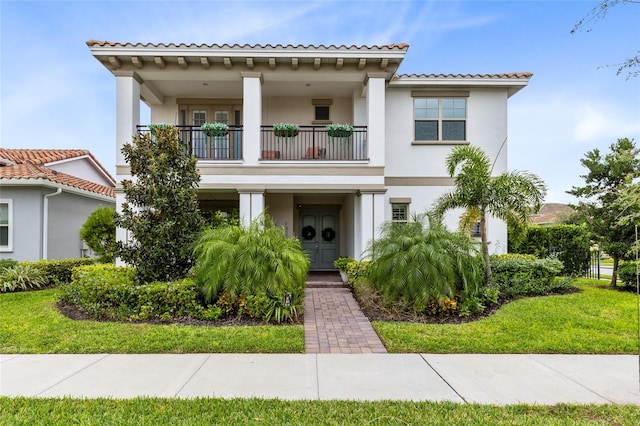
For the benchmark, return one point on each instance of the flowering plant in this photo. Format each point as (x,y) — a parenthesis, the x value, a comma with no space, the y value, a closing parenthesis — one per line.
(215,129)
(339,130)
(285,129)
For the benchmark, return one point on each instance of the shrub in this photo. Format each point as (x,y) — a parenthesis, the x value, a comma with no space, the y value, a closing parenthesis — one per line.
(358,269)
(253,260)
(523,275)
(342,262)
(21,276)
(7,263)
(59,271)
(627,273)
(421,261)
(99,232)
(109,292)
(569,243)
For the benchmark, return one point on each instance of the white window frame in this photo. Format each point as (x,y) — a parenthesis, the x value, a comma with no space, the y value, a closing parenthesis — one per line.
(9,246)
(440,96)
(404,204)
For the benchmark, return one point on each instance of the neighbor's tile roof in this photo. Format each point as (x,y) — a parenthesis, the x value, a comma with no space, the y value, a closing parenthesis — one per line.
(91,43)
(31,164)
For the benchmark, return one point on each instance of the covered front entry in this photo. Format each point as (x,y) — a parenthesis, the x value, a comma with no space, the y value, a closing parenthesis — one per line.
(318,230)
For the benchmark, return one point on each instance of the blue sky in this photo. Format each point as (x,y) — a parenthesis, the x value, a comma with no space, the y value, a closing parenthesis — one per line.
(574,102)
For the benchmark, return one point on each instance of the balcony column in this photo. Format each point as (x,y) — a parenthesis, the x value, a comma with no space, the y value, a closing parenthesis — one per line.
(251,204)
(375,85)
(127,110)
(371,218)
(252,116)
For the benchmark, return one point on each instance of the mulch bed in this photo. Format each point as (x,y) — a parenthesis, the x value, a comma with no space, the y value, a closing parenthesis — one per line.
(75,313)
(374,309)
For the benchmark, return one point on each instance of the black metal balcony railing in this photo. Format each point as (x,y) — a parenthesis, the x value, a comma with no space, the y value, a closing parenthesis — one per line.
(310,143)
(204,147)
(313,143)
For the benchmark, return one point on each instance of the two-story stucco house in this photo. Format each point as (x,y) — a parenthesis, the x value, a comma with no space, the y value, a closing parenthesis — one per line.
(331,191)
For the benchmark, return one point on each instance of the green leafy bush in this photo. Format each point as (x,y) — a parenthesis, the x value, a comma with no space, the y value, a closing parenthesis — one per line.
(99,232)
(21,276)
(357,269)
(419,262)
(7,263)
(516,274)
(569,243)
(254,260)
(59,271)
(342,262)
(109,292)
(627,273)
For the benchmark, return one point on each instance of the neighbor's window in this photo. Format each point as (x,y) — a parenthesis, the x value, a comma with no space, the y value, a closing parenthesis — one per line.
(400,212)
(440,119)
(6,232)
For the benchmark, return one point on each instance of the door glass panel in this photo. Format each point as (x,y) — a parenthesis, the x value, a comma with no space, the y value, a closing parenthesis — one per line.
(199,139)
(221,143)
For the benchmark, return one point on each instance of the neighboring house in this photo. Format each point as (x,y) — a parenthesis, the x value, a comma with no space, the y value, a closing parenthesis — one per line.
(551,214)
(45,197)
(331,192)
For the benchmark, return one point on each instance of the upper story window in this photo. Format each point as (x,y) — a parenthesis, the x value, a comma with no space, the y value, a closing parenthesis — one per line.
(439,118)
(321,111)
(6,225)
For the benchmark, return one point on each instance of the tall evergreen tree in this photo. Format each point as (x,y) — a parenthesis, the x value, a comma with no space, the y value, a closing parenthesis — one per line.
(609,178)
(161,209)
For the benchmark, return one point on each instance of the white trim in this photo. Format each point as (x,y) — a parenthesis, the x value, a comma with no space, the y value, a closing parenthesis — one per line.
(9,246)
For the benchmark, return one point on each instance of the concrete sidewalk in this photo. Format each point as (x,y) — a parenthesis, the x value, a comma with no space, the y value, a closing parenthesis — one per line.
(487,379)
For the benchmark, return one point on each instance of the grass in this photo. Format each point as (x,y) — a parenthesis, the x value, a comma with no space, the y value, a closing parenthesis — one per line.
(206,411)
(596,320)
(30,323)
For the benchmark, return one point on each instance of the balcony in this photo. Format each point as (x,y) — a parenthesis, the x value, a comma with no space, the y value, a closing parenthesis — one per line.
(312,143)
(205,147)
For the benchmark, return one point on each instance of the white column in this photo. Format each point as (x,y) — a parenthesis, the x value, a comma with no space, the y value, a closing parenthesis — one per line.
(376,117)
(251,205)
(127,111)
(121,233)
(371,217)
(252,116)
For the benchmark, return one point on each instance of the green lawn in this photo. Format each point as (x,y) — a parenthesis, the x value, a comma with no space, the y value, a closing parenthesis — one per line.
(154,411)
(31,323)
(597,320)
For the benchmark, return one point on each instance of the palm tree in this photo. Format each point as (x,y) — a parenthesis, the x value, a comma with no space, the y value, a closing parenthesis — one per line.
(510,196)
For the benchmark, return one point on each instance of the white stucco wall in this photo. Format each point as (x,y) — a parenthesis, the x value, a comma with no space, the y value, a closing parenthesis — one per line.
(301,111)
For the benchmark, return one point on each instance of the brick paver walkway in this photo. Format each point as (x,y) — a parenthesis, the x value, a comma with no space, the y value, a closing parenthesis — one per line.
(333,321)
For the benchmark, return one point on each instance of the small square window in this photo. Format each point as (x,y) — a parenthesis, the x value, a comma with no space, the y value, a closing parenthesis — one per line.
(322,113)
(475,230)
(400,212)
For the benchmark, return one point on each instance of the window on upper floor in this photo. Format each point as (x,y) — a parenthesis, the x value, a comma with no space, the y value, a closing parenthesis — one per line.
(440,119)
(6,225)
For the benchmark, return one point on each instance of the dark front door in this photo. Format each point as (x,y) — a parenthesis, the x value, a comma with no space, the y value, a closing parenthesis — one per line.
(318,231)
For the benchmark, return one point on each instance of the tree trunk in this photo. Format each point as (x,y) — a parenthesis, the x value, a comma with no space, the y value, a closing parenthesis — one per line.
(485,246)
(614,273)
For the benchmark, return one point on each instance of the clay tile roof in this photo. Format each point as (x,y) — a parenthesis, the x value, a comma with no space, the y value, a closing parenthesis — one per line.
(31,164)
(502,75)
(99,43)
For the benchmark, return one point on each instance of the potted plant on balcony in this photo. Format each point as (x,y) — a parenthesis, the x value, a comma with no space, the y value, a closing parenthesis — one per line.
(215,129)
(287,130)
(339,130)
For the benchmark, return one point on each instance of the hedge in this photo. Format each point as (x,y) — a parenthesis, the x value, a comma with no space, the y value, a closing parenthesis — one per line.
(569,243)
(517,274)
